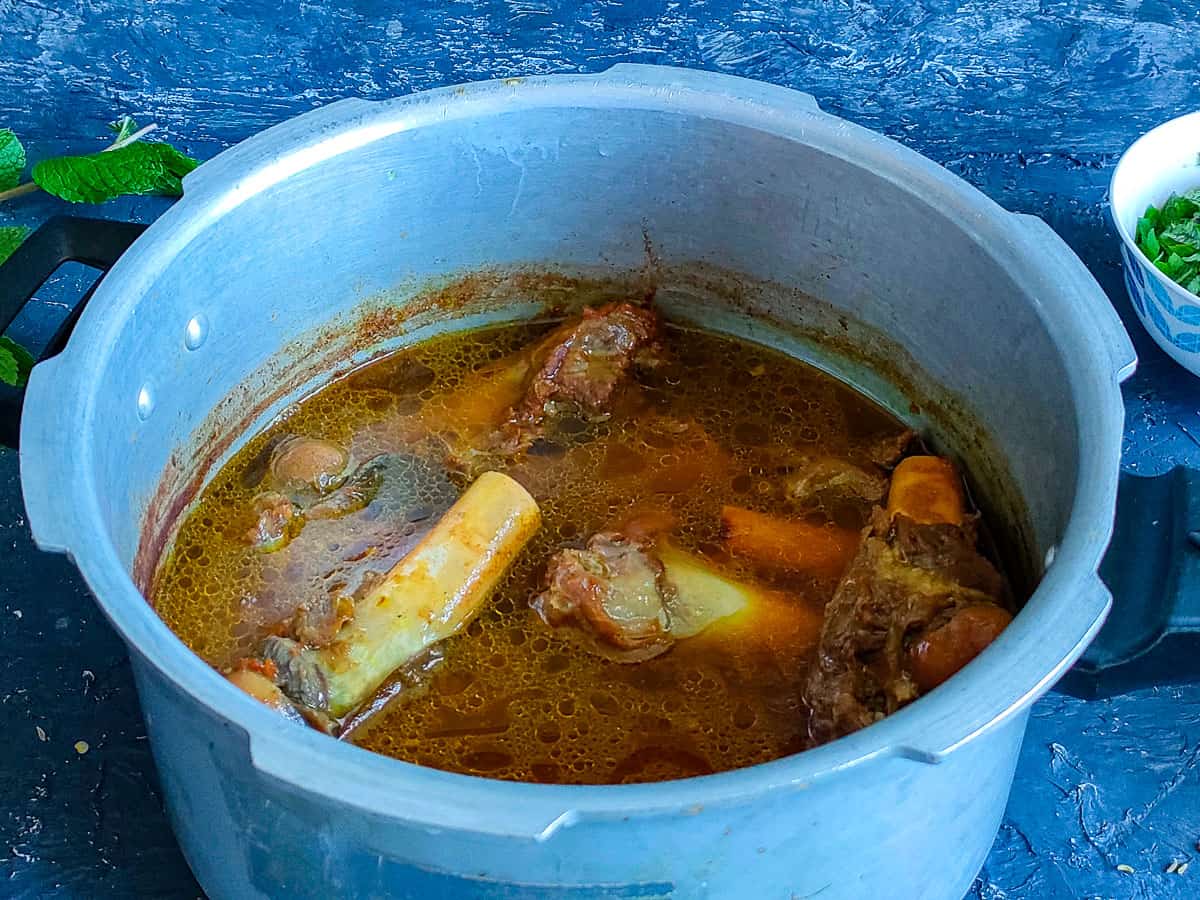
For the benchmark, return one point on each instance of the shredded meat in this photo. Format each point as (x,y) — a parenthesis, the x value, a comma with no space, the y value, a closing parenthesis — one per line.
(829,480)
(355,493)
(906,583)
(888,450)
(273,521)
(298,676)
(614,589)
(265,681)
(258,680)
(318,619)
(579,368)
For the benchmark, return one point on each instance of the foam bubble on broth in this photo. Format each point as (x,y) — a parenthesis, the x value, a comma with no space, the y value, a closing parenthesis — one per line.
(722,421)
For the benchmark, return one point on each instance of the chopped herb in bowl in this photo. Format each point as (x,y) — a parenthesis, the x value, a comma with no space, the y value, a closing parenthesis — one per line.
(1170,238)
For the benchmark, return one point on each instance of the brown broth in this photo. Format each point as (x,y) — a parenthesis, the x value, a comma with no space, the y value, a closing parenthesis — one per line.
(510,697)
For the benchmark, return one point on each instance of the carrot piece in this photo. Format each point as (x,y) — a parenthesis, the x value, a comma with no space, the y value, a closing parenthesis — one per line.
(787,543)
(943,651)
(927,490)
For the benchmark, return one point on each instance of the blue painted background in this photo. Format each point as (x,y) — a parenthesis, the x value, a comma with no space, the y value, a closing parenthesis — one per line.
(1030,100)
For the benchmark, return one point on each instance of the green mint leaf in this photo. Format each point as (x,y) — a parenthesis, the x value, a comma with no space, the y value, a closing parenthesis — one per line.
(1194,285)
(15,362)
(9,371)
(1182,236)
(12,160)
(11,237)
(1149,243)
(123,127)
(1177,209)
(139,168)
(1193,195)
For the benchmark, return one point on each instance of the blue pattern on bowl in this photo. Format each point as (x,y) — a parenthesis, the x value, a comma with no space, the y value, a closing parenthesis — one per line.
(1153,302)
(1133,281)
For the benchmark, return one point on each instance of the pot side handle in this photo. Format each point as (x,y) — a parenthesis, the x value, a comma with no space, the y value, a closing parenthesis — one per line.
(47,445)
(1152,636)
(1070,626)
(1073,278)
(94,242)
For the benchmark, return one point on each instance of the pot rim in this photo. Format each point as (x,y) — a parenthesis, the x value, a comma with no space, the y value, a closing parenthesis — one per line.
(1066,610)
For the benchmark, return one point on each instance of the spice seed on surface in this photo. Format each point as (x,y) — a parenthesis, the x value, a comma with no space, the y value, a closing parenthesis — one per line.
(1173,866)
(1127,869)
(1182,869)
(41,733)
(81,747)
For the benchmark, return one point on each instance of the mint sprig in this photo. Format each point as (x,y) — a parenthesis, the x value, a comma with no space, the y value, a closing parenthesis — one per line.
(129,165)
(140,168)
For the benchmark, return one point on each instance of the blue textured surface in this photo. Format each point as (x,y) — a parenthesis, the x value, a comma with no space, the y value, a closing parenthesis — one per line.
(1030,101)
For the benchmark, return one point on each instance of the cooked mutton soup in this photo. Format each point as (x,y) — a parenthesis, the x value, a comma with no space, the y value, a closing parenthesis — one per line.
(602,550)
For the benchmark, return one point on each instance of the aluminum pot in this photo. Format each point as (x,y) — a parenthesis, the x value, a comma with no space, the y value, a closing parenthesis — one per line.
(283,240)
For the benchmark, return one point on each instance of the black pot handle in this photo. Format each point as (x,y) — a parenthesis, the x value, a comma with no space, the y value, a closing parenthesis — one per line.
(1152,636)
(94,242)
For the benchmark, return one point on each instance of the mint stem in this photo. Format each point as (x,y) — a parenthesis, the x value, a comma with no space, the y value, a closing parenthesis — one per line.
(19,191)
(136,136)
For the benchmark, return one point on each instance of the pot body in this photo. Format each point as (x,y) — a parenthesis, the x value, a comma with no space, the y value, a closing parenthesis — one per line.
(270,270)
(896,829)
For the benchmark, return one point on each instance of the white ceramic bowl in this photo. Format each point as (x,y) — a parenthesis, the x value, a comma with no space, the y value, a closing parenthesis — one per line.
(1163,161)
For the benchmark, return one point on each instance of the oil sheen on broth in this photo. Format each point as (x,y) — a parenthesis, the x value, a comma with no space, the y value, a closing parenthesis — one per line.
(510,697)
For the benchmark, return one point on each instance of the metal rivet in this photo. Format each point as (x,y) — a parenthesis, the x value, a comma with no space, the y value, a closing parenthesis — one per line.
(145,402)
(1050,554)
(196,332)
